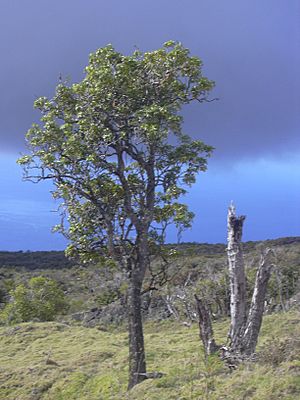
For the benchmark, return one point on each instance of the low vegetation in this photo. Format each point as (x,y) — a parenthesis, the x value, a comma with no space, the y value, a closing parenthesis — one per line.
(63,360)
(41,299)
(198,267)
(58,361)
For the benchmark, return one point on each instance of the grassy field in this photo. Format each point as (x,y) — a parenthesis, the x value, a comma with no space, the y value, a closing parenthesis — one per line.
(57,361)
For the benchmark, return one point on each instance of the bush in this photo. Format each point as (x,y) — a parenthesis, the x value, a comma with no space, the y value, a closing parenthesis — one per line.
(40,299)
(107,296)
(277,351)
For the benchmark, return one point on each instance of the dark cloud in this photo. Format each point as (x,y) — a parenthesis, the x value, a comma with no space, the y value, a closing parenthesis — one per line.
(249,49)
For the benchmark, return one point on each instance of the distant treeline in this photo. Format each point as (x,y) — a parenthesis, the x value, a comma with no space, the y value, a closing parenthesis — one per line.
(219,248)
(35,259)
(56,259)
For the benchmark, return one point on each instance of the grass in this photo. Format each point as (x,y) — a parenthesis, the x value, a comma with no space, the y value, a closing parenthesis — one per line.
(55,361)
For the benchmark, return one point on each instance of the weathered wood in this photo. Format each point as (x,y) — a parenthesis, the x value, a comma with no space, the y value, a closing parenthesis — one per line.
(250,336)
(236,276)
(244,329)
(153,375)
(205,327)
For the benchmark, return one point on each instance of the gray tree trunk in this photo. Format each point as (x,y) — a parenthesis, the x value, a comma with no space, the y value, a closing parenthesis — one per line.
(137,360)
(205,326)
(251,332)
(236,277)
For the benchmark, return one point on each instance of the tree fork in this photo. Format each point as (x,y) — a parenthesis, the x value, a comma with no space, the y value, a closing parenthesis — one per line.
(244,329)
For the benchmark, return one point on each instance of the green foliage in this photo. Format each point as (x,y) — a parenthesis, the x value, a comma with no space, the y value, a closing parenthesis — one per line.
(106,144)
(214,290)
(2,295)
(107,296)
(41,299)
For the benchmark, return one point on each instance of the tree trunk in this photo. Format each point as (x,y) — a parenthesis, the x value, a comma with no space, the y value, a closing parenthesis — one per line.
(137,359)
(137,362)
(205,326)
(236,277)
(256,311)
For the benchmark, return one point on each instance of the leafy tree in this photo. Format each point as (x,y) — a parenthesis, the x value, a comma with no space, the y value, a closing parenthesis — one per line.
(113,146)
(41,299)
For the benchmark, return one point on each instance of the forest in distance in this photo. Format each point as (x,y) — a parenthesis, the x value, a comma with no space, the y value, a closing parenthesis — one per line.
(56,259)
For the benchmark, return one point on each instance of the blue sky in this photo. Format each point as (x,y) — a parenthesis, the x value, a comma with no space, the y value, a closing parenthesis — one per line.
(251,49)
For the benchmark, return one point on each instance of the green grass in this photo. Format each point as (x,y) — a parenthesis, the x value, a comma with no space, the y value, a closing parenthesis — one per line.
(90,364)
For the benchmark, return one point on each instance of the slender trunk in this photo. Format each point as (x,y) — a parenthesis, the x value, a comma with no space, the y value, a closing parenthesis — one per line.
(236,277)
(205,326)
(137,359)
(137,362)
(256,311)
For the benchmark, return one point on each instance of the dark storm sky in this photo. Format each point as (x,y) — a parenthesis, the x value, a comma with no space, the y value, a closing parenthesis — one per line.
(250,48)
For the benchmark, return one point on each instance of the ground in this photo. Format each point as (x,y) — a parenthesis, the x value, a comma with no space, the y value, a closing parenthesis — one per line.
(61,361)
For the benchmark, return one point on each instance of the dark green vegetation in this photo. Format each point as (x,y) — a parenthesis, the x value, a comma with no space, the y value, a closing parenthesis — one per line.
(40,299)
(35,259)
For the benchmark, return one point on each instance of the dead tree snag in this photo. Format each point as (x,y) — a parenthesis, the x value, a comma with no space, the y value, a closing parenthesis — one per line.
(236,276)
(205,326)
(244,326)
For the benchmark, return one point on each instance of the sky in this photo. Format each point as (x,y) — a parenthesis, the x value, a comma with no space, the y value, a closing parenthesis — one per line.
(251,49)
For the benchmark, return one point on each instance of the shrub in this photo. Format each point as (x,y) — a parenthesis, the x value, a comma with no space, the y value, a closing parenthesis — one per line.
(40,299)
(277,351)
(107,295)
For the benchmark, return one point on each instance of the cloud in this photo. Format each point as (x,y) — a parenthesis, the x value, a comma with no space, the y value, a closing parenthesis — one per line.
(246,48)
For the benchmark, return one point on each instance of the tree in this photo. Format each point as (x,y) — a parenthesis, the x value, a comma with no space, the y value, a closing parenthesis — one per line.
(40,299)
(114,148)
(237,276)
(245,324)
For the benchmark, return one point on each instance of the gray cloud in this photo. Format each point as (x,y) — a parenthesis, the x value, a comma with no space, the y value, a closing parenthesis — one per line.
(249,49)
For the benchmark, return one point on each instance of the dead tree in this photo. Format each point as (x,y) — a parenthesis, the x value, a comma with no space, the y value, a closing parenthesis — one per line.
(205,326)
(244,326)
(236,276)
